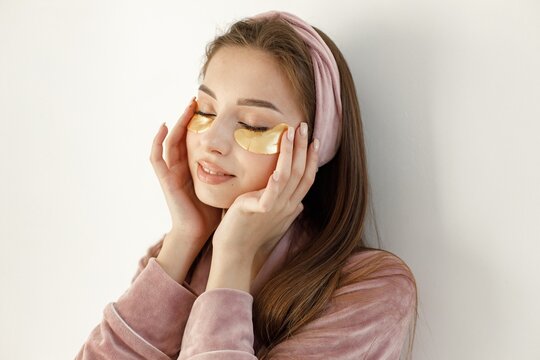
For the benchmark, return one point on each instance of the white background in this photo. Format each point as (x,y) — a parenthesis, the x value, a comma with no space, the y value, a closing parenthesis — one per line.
(449,94)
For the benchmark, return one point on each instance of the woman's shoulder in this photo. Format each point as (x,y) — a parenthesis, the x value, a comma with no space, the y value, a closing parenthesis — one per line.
(379,275)
(375,262)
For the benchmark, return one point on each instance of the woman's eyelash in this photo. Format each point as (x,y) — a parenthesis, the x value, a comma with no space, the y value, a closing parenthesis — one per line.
(251,128)
(203,114)
(254,128)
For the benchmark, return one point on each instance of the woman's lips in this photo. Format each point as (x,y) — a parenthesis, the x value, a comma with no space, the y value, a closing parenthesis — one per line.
(209,178)
(213,168)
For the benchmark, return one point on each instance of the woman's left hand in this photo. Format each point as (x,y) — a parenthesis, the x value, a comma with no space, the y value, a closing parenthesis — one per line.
(257,220)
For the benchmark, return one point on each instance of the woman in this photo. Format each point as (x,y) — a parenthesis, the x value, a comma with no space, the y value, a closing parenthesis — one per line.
(266,183)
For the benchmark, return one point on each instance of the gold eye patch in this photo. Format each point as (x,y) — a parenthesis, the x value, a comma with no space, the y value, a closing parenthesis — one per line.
(199,123)
(258,142)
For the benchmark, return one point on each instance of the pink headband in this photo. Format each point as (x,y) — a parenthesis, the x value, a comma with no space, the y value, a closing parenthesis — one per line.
(327,126)
(327,129)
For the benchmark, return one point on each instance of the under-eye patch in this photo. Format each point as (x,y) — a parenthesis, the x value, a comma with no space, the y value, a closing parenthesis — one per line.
(200,123)
(258,142)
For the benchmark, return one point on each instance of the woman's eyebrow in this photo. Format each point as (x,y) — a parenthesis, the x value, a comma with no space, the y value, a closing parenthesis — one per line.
(207,90)
(243,101)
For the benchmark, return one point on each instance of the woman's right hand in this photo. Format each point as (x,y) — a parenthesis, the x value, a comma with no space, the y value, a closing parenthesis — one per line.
(192,220)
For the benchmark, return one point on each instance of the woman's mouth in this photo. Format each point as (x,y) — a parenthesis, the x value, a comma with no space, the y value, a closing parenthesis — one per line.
(211,177)
(212,172)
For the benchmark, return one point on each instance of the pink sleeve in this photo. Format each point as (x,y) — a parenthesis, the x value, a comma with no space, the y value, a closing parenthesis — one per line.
(364,320)
(147,321)
(220,326)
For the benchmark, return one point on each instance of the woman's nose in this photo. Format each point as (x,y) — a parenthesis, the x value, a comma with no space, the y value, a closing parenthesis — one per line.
(218,138)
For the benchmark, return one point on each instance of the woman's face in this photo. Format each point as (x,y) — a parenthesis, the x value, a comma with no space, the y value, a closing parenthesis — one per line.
(241,86)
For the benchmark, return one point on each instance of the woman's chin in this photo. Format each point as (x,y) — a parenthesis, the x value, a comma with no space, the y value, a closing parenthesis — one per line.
(213,200)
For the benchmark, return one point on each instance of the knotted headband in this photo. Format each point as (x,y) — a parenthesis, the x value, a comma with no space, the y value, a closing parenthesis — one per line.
(328,113)
(327,129)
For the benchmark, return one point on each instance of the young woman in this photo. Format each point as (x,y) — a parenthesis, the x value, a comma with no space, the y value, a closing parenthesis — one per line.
(267,187)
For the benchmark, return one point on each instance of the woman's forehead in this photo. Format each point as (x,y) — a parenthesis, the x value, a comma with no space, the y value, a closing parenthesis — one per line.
(242,73)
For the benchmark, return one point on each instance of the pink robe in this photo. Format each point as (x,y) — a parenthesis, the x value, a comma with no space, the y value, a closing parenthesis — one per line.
(158,318)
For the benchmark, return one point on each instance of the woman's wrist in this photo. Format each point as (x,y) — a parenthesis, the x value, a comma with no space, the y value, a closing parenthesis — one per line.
(230,269)
(177,255)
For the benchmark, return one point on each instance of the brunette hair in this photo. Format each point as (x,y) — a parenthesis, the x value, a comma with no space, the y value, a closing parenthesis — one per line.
(299,291)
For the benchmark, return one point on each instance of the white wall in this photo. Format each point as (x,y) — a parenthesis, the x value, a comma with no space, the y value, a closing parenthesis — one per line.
(449,92)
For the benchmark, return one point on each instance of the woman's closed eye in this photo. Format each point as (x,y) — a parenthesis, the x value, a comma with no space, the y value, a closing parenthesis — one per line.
(248,127)
(198,112)
(254,128)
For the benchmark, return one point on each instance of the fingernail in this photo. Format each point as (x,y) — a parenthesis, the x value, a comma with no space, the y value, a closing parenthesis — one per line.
(290,133)
(303,129)
(275,175)
(316,144)
(190,104)
(163,125)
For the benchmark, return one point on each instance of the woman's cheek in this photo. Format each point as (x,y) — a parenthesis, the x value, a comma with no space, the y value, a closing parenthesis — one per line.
(189,144)
(263,166)
(191,150)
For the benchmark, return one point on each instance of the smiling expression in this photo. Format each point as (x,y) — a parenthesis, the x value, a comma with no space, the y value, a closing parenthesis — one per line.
(243,95)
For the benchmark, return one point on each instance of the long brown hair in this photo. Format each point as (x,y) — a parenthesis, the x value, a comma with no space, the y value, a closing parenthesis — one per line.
(298,293)
(334,218)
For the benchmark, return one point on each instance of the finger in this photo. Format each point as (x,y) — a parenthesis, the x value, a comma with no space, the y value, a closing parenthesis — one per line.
(156,154)
(250,201)
(264,199)
(175,152)
(298,161)
(271,193)
(312,165)
(283,166)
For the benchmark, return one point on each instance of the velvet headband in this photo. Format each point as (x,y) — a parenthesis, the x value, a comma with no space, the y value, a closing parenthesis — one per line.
(327,126)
